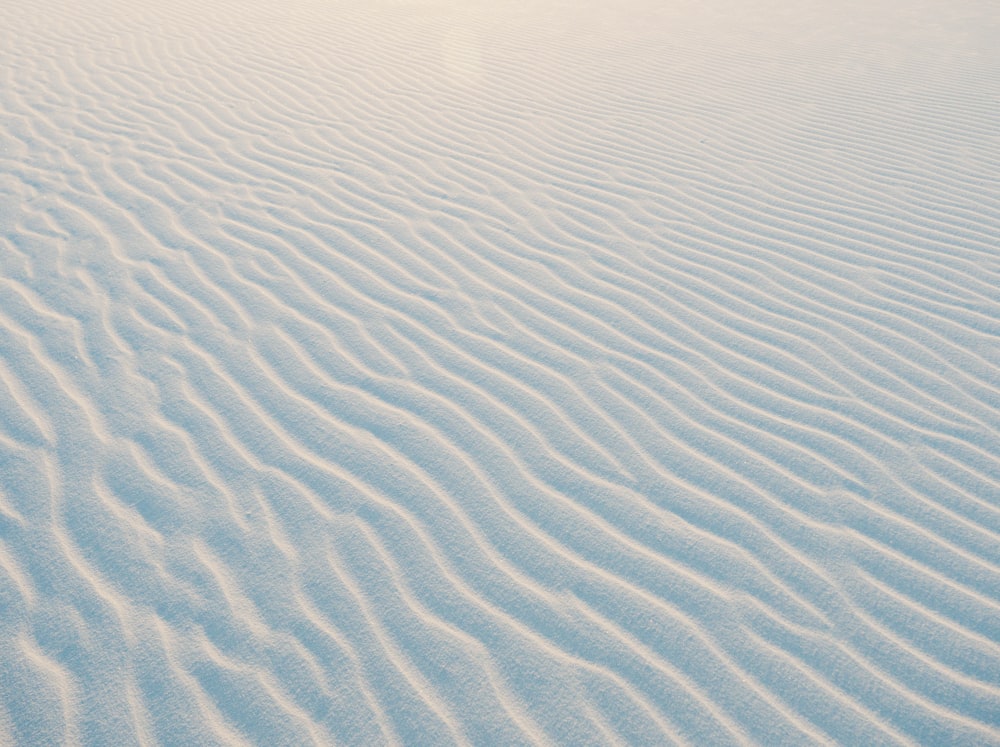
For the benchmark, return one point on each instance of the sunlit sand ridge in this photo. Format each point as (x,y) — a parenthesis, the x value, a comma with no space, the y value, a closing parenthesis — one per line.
(550,373)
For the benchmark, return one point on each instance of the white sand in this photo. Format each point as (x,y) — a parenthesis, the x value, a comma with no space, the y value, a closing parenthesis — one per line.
(429,373)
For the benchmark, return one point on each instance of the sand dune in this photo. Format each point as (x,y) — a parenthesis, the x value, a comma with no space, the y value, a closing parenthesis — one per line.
(428,373)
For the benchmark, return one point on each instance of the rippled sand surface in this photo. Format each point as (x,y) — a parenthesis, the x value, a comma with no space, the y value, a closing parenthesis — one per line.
(500,373)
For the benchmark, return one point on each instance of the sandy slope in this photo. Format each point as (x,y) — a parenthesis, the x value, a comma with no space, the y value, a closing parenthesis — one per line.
(432,372)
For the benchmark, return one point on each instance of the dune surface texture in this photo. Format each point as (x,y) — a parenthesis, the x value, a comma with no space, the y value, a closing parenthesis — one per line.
(500,373)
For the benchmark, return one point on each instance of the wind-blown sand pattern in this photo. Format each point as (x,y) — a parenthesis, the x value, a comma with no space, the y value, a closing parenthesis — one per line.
(434,373)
